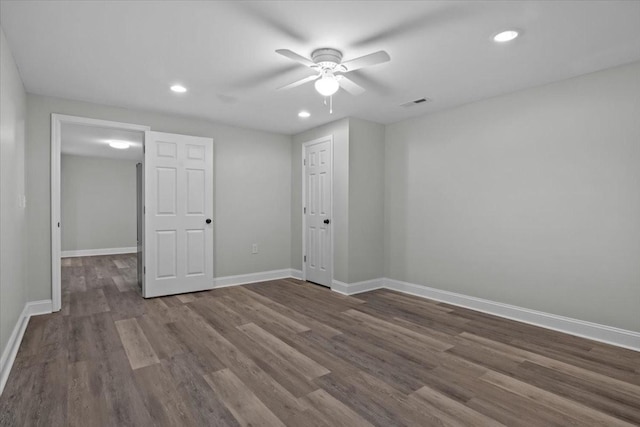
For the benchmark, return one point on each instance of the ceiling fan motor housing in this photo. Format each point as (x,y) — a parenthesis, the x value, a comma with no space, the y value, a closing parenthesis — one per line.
(326,58)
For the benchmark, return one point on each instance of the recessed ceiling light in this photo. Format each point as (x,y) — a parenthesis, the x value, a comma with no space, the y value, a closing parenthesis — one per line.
(119,145)
(178,88)
(304,114)
(505,36)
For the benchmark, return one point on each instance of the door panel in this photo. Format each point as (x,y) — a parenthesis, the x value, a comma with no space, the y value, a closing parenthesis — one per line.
(196,198)
(322,189)
(166,252)
(317,219)
(311,248)
(178,200)
(166,191)
(195,252)
(323,249)
(167,149)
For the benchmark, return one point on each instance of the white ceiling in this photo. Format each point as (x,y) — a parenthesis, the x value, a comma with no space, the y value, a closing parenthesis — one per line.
(129,53)
(92,141)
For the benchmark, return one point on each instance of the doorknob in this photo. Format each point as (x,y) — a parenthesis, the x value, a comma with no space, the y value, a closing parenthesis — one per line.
(208,221)
(326,221)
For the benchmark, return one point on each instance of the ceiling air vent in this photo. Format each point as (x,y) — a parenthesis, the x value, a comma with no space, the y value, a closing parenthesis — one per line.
(415,102)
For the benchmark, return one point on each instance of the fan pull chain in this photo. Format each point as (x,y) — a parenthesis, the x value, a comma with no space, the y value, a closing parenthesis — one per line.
(330,104)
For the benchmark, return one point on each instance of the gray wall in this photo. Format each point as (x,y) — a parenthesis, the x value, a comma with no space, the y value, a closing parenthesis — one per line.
(98,203)
(252,187)
(530,199)
(13,294)
(340,131)
(358,198)
(366,200)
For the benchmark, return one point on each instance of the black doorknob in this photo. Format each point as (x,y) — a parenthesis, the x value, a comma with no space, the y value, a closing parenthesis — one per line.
(326,221)
(208,221)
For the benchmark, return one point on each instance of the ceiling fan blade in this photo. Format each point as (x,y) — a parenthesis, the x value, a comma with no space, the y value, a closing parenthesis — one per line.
(351,87)
(294,56)
(267,16)
(300,82)
(373,84)
(366,61)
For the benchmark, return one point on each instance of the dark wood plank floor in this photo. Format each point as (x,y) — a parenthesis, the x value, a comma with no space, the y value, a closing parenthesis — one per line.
(290,353)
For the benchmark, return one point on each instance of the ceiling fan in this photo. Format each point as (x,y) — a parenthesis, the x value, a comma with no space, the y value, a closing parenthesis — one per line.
(330,77)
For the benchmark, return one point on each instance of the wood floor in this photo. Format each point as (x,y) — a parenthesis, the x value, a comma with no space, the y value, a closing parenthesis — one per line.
(295,354)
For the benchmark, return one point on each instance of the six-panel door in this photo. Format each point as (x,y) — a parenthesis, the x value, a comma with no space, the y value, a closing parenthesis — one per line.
(318,176)
(178,203)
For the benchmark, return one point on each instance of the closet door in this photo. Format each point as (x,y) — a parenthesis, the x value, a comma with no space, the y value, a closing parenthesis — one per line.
(318,186)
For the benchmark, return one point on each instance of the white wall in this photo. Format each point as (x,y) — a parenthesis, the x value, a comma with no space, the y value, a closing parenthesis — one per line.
(358,198)
(252,187)
(366,200)
(98,203)
(340,131)
(13,294)
(531,199)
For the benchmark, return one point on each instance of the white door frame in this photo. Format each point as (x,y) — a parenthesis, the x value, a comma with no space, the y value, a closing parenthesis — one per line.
(56,145)
(329,139)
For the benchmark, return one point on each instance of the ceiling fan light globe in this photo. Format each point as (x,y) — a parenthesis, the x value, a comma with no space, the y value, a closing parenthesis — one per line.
(327,86)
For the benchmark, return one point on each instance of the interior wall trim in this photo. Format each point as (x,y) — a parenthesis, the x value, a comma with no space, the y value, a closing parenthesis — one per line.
(10,351)
(594,331)
(243,279)
(581,328)
(95,252)
(357,287)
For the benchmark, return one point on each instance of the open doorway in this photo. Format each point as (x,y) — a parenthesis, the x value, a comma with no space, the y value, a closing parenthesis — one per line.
(96,206)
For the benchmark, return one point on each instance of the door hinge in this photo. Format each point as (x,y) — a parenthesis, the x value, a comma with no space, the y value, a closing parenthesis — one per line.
(144,149)
(144,269)
(305,258)
(144,209)
(58,225)
(305,209)
(304,162)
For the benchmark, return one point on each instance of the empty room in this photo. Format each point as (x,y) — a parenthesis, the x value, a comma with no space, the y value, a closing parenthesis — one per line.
(320,213)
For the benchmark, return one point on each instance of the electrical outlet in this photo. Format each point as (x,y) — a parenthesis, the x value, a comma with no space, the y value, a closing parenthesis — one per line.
(254,248)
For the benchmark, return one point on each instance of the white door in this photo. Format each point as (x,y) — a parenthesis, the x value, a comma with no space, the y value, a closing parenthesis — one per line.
(317,196)
(178,214)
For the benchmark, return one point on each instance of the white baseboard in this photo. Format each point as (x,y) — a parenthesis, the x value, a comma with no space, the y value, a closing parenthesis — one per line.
(357,287)
(243,279)
(296,274)
(594,331)
(581,328)
(32,308)
(36,308)
(95,252)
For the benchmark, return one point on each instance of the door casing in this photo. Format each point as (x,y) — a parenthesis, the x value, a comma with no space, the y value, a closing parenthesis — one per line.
(57,120)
